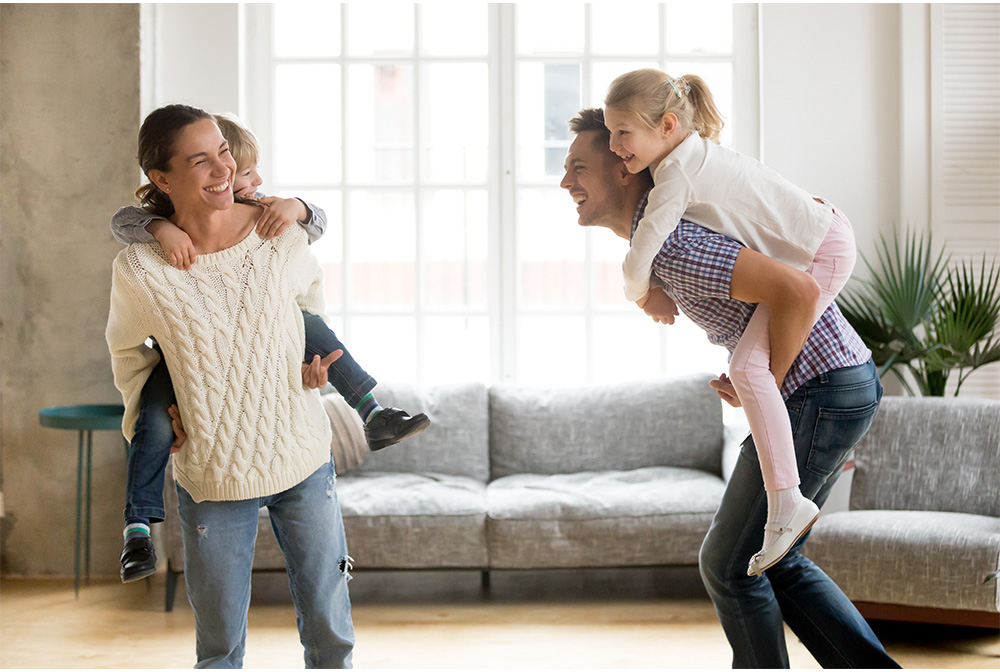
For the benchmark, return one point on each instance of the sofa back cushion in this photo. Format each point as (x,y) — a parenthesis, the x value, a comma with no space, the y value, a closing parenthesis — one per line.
(930,454)
(456,443)
(661,423)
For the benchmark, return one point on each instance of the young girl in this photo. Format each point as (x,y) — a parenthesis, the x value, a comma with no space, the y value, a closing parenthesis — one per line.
(154,431)
(672,126)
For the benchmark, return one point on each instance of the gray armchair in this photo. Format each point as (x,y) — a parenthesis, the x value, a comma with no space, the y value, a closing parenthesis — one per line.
(921,541)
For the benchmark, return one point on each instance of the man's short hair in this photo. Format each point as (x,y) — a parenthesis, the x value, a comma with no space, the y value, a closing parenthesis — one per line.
(592,119)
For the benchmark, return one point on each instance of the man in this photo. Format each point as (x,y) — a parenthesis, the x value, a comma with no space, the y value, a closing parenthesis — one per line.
(831,391)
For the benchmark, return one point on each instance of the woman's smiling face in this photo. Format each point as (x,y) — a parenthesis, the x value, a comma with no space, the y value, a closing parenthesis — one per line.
(201,169)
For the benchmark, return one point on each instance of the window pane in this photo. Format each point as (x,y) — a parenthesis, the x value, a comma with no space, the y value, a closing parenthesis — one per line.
(719,77)
(549,96)
(382,247)
(605,73)
(699,27)
(385,347)
(625,29)
(438,33)
(608,252)
(380,123)
(379,28)
(307,147)
(689,350)
(456,119)
(456,349)
(455,231)
(307,30)
(551,351)
(550,248)
(329,249)
(549,28)
(626,347)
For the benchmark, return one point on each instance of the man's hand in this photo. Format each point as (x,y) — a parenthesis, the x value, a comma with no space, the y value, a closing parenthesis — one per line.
(724,388)
(279,215)
(175,242)
(658,306)
(314,375)
(179,435)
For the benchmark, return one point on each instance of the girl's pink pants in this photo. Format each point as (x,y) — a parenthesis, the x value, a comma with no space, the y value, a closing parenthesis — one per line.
(750,366)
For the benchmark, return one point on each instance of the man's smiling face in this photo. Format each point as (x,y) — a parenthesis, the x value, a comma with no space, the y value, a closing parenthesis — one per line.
(591,181)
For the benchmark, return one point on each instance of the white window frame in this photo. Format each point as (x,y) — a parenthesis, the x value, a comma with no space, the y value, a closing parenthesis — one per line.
(503,311)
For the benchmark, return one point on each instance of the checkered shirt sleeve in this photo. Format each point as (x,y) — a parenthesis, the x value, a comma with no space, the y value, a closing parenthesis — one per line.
(695,266)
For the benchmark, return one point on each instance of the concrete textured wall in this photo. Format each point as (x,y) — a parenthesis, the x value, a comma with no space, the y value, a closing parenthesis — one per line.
(69,116)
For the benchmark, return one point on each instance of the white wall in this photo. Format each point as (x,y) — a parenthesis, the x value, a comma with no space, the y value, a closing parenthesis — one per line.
(830,106)
(195,55)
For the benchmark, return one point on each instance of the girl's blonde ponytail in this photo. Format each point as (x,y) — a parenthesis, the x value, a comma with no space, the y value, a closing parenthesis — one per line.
(705,116)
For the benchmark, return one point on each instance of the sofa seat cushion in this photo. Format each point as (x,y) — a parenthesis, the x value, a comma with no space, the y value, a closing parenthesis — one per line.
(914,558)
(413,520)
(647,516)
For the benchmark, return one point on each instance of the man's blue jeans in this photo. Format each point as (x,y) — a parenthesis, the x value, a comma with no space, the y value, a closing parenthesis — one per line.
(218,557)
(829,414)
(149,449)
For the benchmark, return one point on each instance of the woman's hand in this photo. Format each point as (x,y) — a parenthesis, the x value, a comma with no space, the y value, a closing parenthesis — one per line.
(658,306)
(724,388)
(179,435)
(279,214)
(175,242)
(314,375)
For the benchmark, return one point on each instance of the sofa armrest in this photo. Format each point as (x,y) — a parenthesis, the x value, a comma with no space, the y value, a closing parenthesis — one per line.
(733,436)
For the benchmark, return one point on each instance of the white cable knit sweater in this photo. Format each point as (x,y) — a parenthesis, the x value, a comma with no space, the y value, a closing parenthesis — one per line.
(232,334)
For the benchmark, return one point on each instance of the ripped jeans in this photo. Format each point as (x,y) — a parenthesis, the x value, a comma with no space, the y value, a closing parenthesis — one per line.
(219,542)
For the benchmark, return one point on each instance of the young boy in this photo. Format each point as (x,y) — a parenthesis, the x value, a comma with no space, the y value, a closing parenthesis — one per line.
(154,435)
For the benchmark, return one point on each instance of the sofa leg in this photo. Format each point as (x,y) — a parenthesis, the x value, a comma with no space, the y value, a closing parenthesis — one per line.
(171,589)
(484,580)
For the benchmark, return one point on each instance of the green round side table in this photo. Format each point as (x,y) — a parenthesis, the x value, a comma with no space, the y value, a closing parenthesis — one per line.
(84,418)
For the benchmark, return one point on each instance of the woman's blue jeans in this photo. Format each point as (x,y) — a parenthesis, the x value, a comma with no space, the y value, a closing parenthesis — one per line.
(149,449)
(219,542)
(829,415)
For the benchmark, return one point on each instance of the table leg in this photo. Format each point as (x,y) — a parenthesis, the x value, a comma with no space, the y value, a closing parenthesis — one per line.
(79,507)
(90,454)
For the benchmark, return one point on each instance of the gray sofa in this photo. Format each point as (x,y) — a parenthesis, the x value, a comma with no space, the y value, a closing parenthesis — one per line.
(519,478)
(921,541)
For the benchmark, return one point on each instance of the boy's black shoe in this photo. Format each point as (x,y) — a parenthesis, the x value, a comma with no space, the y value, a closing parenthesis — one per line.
(138,559)
(392,425)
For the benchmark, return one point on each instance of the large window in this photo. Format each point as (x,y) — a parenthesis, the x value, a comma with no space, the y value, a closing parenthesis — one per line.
(433,135)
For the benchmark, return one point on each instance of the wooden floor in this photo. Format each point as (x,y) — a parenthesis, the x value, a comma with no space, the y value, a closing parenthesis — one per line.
(569,619)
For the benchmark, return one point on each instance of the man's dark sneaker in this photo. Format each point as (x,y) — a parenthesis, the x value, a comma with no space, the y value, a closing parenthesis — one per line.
(138,559)
(392,425)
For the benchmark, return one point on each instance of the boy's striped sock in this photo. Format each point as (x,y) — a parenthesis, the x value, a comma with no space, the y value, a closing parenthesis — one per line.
(368,408)
(136,529)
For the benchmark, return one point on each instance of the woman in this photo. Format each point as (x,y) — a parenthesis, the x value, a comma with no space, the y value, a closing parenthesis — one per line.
(231,331)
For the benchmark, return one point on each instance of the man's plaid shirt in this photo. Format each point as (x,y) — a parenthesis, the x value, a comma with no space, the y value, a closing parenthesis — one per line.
(695,266)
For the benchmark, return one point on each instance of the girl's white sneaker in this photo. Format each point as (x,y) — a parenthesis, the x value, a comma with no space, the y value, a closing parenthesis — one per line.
(806,513)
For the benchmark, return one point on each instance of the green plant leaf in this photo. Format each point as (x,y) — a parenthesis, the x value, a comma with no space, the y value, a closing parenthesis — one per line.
(917,315)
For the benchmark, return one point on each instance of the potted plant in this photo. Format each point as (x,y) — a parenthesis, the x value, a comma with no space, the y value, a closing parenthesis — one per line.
(918,314)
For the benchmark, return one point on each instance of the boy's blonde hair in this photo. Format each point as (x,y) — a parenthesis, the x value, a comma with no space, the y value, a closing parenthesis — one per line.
(243,143)
(649,94)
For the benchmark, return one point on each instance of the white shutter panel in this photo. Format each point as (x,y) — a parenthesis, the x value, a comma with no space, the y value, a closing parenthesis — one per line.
(965,144)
